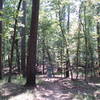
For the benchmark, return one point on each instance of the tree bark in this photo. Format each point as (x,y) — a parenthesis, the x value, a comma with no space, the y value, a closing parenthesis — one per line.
(43,53)
(1,5)
(98,33)
(32,45)
(61,57)
(18,57)
(23,40)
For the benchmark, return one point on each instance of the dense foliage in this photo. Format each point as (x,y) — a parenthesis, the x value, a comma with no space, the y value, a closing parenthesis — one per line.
(68,35)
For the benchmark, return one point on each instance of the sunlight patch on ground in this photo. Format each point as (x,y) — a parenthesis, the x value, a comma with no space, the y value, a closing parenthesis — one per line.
(33,95)
(52,89)
(25,96)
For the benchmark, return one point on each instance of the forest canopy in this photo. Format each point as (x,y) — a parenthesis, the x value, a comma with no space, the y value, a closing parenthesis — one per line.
(63,33)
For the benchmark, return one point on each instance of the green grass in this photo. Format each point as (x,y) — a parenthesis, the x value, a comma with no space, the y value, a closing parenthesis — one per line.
(19,80)
(15,79)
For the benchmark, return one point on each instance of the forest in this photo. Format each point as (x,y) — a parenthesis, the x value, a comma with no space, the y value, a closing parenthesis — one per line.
(50,49)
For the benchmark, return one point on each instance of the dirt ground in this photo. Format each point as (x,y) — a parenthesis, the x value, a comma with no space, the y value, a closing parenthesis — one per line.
(53,89)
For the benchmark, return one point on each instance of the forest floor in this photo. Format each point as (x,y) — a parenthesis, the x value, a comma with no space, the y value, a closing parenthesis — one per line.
(53,89)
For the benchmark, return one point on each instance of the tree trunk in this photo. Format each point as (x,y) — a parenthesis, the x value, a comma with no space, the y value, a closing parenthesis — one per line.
(78,43)
(91,51)
(86,43)
(98,33)
(67,51)
(61,58)
(43,54)
(23,40)
(63,36)
(32,45)
(13,43)
(1,5)
(18,57)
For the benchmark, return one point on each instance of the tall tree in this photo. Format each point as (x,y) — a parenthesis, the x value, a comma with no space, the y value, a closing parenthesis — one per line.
(63,31)
(98,33)
(1,3)
(13,41)
(32,45)
(86,41)
(78,41)
(23,39)
(67,51)
(17,56)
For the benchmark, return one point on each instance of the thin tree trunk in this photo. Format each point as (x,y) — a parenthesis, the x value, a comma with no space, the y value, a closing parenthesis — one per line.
(61,58)
(23,40)
(13,43)
(67,51)
(1,5)
(32,45)
(91,50)
(78,42)
(43,51)
(86,43)
(18,57)
(43,63)
(98,33)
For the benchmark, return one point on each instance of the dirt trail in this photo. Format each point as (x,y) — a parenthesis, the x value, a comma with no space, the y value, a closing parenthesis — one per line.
(53,89)
(65,89)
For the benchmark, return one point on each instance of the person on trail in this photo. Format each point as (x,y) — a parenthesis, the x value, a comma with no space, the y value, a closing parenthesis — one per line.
(49,71)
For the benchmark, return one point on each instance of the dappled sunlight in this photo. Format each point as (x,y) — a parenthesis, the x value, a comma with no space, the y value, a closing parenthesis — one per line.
(49,49)
(52,89)
(26,96)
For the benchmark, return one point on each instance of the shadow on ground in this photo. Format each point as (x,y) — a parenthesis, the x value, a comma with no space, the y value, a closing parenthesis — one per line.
(66,89)
(53,89)
(8,90)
